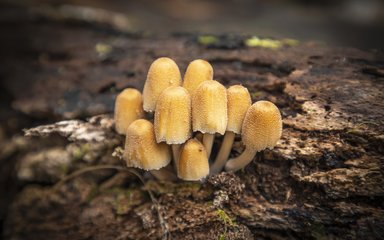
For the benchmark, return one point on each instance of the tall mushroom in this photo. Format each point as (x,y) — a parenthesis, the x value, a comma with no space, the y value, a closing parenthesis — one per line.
(162,73)
(193,162)
(141,149)
(197,72)
(128,108)
(239,101)
(173,118)
(209,111)
(262,128)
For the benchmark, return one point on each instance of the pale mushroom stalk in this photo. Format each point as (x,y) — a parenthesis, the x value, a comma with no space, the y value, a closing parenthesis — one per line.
(262,128)
(199,136)
(239,101)
(224,152)
(176,153)
(208,139)
(241,161)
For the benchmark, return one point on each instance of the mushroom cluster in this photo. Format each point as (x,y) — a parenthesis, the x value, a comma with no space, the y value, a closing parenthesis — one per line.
(187,115)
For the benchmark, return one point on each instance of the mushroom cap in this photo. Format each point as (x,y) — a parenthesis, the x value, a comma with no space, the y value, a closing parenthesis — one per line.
(173,116)
(197,72)
(262,126)
(239,101)
(162,73)
(141,149)
(193,161)
(128,108)
(209,108)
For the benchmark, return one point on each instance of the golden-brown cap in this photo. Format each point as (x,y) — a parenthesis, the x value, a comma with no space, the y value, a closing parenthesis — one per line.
(193,161)
(262,126)
(128,108)
(162,73)
(173,116)
(141,149)
(197,72)
(209,108)
(239,101)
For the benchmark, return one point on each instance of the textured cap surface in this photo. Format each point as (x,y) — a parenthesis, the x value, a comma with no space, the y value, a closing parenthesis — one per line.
(173,116)
(209,108)
(197,72)
(193,161)
(239,101)
(128,108)
(141,149)
(162,73)
(262,126)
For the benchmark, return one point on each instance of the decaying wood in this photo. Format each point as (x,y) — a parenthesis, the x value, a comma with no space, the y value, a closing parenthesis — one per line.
(324,180)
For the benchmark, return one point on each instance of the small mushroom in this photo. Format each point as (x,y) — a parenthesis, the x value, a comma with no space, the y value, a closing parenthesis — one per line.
(173,118)
(141,149)
(209,111)
(239,101)
(193,162)
(162,73)
(128,108)
(197,72)
(262,128)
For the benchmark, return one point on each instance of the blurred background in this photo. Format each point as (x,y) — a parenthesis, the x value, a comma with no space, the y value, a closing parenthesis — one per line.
(356,23)
(30,64)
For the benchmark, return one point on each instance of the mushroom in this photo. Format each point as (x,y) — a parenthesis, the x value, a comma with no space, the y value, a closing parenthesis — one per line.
(262,128)
(239,101)
(197,72)
(193,162)
(162,73)
(141,149)
(128,108)
(209,111)
(173,118)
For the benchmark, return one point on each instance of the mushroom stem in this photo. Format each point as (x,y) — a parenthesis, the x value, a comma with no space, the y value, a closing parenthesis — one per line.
(199,136)
(164,174)
(208,142)
(224,152)
(241,161)
(176,153)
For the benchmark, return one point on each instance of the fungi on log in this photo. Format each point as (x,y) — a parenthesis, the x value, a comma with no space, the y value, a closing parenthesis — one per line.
(324,179)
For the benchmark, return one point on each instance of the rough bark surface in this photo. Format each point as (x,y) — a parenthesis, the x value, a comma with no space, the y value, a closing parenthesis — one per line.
(324,180)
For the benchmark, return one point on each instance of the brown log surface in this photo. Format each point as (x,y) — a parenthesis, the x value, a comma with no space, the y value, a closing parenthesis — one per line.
(324,180)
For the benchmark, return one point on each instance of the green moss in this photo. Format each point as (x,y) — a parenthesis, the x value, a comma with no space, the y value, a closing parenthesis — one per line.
(269,43)
(207,40)
(79,152)
(223,216)
(103,48)
(226,220)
